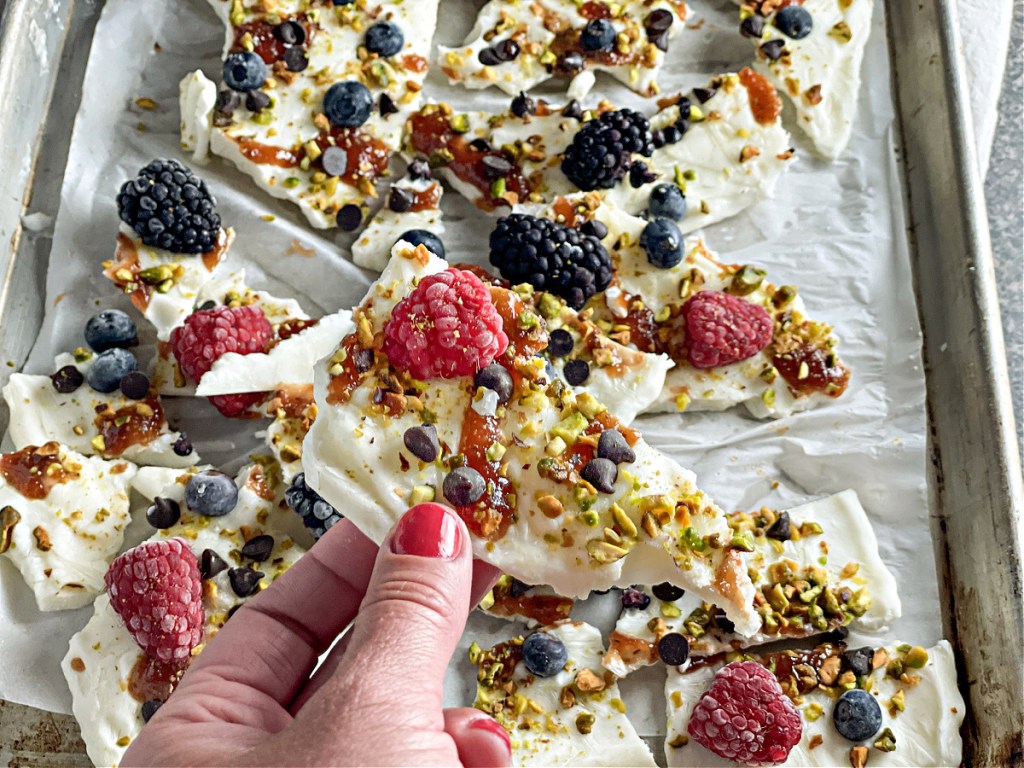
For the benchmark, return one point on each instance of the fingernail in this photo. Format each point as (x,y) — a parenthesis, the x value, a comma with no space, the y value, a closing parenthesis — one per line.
(492,726)
(428,530)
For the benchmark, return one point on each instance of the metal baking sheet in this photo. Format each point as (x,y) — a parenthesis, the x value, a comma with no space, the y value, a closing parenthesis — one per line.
(975,480)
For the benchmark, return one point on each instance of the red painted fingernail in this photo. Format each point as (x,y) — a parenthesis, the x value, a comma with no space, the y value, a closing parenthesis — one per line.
(492,726)
(428,530)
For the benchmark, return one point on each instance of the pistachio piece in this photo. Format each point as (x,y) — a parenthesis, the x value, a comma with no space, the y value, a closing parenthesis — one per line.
(605,553)
(828,672)
(9,517)
(859,757)
(43,543)
(916,657)
(585,723)
(587,681)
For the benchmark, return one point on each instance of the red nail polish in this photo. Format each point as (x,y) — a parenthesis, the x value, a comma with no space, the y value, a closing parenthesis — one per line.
(491,725)
(428,530)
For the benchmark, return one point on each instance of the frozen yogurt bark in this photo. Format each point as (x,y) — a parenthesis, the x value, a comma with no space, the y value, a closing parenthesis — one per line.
(62,520)
(515,472)
(919,705)
(532,605)
(572,714)
(817,569)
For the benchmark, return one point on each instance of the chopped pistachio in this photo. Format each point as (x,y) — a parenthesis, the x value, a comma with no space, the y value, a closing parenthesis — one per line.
(916,657)
(421,494)
(886,741)
(571,427)
(585,722)
(603,552)
(670,611)
(813,711)
(897,703)
(555,447)
(589,405)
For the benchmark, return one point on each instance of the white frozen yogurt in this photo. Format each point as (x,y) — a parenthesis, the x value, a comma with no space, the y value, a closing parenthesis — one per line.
(372,248)
(63,542)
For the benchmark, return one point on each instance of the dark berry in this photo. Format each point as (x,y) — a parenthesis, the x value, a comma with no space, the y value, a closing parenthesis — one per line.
(317,515)
(779,530)
(551,257)
(663,242)
(600,473)
(773,49)
(109,368)
(667,201)
(170,208)
(794,21)
(244,581)
(210,564)
(244,71)
(334,161)
(569,63)
(576,372)
(858,660)
(384,38)
(211,493)
(497,379)
(752,27)
(400,199)
(67,379)
(523,105)
(612,445)
(640,174)
(667,592)
(348,104)
(290,33)
(135,385)
(295,60)
(598,35)
(544,655)
(857,715)
(560,343)
(600,152)
(163,513)
(595,228)
(256,101)
(426,238)
(634,598)
(258,548)
(110,328)
(464,486)
(182,446)
(673,649)
(149,708)
(422,442)
(350,217)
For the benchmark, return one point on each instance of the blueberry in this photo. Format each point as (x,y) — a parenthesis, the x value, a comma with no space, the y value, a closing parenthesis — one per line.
(110,328)
(667,201)
(135,385)
(667,592)
(426,238)
(422,442)
(634,598)
(463,486)
(350,217)
(600,473)
(495,378)
(598,35)
(613,446)
(560,343)
(348,104)
(211,493)
(244,71)
(109,368)
(544,655)
(663,242)
(576,372)
(384,38)
(779,530)
(673,649)
(857,715)
(794,21)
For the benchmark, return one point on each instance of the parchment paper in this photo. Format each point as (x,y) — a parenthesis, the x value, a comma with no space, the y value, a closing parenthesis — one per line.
(835,230)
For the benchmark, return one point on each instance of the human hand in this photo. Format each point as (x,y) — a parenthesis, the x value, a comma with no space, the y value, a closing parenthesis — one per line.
(251,696)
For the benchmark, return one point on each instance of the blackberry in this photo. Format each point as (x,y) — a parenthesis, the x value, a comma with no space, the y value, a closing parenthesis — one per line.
(599,155)
(316,514)
(551,257)
(170,208)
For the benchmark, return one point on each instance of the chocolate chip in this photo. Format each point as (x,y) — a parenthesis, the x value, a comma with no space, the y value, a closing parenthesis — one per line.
(210,564)
(418,169)
(258,548)
(422,442)
(752,27)
(659,20)
(724,624)
(569,63)
(640,174)
(667,592)
(182,446)
(573,110)
(149,709)
(463,486)
(612,445)
(234,609)
(595,228)
(600,473)
(350,217)
(858,660)
(400,200)
(364,360)
(634,598)
(773,49)
(576,372)
(387,105)
(206,305)
(256,100)
(560,343)
(779,530)
(164,513)
(488,57)
(659,40)
(517,588)
(481,145)
(703,95)
(507,50)
(290,33)
(244,581)
(334,161)
(837,635)
(673,649)
(67,379)
(495,166)
(227,102)
(495,378)
(295,59)
(135,385)
(523,105)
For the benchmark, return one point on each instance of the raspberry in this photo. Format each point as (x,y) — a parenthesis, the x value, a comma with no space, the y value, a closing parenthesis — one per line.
(447,327)
(723,329)
(240,405)
(745,716)
(157,591)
